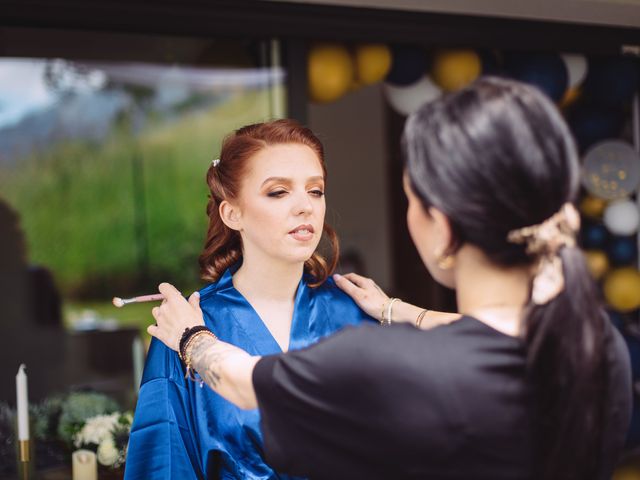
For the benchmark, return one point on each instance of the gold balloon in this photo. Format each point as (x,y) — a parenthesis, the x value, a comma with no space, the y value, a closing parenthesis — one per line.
(592,206)
(373,62)
(454,69)
(570,96)
(330,72)
(598,263)
(622,289)
(626,473)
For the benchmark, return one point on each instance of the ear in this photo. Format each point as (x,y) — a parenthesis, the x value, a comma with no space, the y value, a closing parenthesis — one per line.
(443,232)
(230,215)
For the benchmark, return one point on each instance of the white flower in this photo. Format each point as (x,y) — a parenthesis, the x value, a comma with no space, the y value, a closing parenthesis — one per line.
(96,429)
(108,454)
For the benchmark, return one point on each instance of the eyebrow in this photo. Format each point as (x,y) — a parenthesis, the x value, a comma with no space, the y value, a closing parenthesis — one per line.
(288,180)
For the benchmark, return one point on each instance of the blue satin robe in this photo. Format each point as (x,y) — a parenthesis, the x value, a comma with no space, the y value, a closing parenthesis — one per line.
(182,431)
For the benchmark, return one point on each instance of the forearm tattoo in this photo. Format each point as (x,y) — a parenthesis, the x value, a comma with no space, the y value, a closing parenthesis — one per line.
(207,355)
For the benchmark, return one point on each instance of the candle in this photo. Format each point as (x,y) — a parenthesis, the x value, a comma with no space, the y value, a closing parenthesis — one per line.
(22,402)
(138,362)
(84,465)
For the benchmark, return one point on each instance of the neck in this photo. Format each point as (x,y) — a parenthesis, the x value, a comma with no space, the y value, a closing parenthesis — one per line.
(493,294)
(268,279)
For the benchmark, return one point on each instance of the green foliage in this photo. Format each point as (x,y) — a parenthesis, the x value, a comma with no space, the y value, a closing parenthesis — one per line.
(78,407)
(117,218)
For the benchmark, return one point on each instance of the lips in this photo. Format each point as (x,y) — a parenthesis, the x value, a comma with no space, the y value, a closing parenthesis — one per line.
(302,232)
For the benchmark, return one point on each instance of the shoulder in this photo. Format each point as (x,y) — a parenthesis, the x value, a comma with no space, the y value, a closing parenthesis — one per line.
(162,362)
(338,305)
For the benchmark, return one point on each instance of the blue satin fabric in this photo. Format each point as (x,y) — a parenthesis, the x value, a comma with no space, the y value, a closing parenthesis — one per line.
(183,431)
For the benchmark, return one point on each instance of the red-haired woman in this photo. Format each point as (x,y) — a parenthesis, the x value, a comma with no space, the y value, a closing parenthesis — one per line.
(270,292)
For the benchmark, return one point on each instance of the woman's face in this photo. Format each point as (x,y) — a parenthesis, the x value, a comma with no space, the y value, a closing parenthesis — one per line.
(281,204)
(430,235)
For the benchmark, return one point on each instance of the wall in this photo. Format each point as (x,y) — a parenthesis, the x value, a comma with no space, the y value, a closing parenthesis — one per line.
(354,135)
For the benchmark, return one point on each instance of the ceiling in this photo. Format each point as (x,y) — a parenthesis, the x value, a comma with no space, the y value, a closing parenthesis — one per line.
(599,12)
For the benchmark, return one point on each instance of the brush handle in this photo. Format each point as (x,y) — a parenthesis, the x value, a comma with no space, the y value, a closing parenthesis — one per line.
(146,298)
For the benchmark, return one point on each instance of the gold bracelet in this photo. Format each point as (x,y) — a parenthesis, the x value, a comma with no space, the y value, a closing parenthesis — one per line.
(420,317)
(190,371)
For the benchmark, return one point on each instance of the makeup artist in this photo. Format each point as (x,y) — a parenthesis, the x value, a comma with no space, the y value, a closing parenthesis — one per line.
(532,382)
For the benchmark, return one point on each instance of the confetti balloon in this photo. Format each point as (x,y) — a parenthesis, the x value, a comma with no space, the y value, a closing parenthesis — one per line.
(611,170)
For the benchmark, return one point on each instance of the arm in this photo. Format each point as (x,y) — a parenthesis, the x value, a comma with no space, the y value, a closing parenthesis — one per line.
(373,301)
(224,368)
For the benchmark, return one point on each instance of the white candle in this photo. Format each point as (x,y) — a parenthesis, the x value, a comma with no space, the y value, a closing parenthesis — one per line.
(22,402)
(138,362)
(84,465)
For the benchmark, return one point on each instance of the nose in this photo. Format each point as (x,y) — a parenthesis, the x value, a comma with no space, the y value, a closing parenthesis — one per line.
(303,205)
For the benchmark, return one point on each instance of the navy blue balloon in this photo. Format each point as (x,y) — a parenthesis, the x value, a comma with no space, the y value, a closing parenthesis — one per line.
(591,124)
(490,62)
(616,319)
(633,434)
(594,236)
(546,71)
(408,65)
(622,250)
(633,344)
(612,81)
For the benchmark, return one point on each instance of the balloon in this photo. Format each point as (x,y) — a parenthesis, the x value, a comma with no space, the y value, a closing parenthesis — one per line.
(597,262)
(591,124)
(621,217)
(406,100)
(373,62)
(612,81)
(570,97)
(490,62)
(622,289)
(330,72)
(633,439)
(611,170)
(408,65)
(629,473)
(594,235)
(617,319)
(546,71)
(454,69)
(622,250)
(592,206)
(576,67)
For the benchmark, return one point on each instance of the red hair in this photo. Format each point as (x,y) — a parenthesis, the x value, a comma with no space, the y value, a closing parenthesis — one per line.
(223,246)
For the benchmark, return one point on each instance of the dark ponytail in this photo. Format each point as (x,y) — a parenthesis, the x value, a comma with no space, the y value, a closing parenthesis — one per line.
(496,157)
(565,359)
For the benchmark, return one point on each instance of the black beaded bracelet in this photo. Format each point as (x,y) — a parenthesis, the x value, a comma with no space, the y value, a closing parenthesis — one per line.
(186,335)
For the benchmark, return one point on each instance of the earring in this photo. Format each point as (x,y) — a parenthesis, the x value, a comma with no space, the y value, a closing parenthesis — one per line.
(445,262)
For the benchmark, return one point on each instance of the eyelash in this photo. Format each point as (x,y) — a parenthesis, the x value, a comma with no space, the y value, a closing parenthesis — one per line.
(280,193)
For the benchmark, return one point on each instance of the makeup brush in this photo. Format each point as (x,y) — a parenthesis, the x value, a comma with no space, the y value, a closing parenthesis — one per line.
(121,302)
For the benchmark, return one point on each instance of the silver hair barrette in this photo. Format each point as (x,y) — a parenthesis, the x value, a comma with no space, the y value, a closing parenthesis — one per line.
(215,162)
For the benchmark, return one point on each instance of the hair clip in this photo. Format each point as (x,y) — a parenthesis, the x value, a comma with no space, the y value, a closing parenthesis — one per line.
(215,162)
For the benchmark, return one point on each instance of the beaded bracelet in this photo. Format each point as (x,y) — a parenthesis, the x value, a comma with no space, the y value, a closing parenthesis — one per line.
(188,332)
(189,370)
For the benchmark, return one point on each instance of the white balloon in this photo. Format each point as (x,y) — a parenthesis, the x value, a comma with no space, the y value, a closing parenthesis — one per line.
(576,67)
(406,100)
(621,217)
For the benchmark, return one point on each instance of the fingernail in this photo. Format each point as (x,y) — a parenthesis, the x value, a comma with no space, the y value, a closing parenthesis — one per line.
(337,275)
(196,293)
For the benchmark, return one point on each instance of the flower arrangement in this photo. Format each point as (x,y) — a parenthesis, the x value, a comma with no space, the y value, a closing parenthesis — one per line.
(62,423)
(108,436)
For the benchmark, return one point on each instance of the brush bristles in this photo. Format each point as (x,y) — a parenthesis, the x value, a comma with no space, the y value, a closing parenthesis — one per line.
(118,302)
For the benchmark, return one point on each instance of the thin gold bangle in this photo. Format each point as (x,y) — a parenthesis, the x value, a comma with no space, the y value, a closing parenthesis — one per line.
(420,317)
